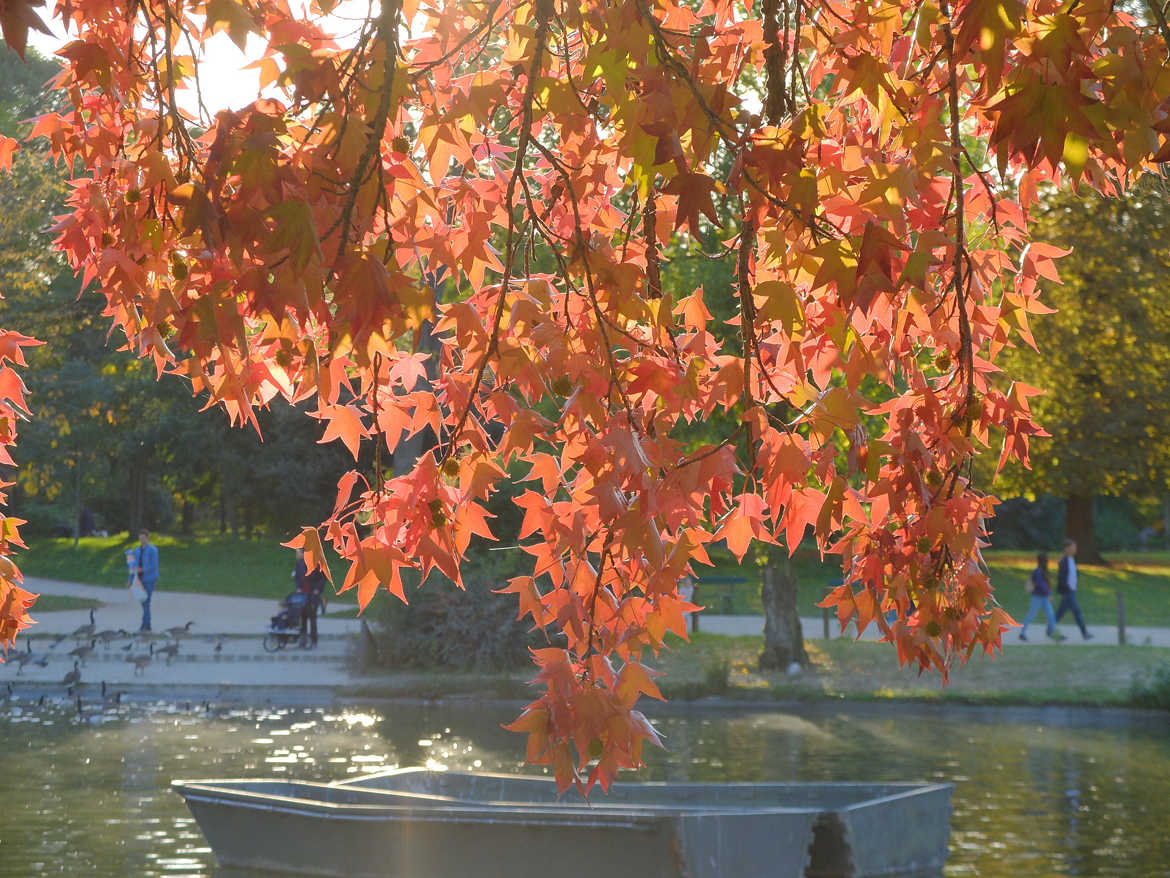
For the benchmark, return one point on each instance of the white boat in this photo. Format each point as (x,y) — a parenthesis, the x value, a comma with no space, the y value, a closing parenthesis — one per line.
(418,823)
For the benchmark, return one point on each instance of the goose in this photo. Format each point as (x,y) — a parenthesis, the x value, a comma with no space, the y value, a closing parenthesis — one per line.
(73,677)
(109,698)
(22,658)
(140,662)
(107,636)
(84,631)
(170,651)
(83,652)
(179,630)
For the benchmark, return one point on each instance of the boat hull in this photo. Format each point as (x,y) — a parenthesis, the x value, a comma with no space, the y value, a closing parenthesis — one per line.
(407,824)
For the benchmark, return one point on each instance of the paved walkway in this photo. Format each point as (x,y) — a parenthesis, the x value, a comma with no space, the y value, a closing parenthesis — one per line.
(813,629)
(223,647)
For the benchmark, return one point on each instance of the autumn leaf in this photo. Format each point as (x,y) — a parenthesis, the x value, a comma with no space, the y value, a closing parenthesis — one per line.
(343,422)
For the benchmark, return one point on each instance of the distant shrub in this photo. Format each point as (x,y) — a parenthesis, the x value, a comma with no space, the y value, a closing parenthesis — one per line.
(717,676)
(1028,524)
(444,627)
(1154,691)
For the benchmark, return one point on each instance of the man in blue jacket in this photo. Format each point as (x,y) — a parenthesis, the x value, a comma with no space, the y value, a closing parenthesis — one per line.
(1066,584)
(147,572)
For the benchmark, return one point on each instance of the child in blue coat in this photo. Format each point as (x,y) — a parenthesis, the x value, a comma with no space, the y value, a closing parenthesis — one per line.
(1041,592)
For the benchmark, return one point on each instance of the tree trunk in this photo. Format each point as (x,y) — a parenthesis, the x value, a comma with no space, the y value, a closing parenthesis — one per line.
(186,517)
(137,500)
(76,500)
(1080,527)
(783,641)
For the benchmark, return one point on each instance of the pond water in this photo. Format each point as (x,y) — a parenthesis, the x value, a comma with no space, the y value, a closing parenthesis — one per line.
(1038,792)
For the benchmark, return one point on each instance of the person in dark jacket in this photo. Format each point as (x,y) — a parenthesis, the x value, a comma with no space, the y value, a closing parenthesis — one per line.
(1041,592)
(311,585)
(1066,584)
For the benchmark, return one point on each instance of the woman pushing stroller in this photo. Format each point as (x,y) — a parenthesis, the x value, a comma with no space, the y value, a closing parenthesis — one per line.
(312,586)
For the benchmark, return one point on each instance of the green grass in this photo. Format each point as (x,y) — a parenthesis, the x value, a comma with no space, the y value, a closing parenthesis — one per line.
(213,565)
(711,665)
(1142,578)
(261,568)
(1097,675)
(53,603)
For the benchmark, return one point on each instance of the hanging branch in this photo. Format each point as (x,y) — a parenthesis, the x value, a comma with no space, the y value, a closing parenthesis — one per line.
(388,32)
(775,62)
(543,12)
(650,231)
(966,353)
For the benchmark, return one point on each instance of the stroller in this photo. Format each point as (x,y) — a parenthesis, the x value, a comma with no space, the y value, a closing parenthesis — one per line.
(285,626)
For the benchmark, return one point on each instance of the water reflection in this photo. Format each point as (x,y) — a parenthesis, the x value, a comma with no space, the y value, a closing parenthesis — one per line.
(1038,792)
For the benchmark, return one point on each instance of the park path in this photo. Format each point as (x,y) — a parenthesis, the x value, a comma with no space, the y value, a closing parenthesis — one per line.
(224,646)
(222,649)
(813,629)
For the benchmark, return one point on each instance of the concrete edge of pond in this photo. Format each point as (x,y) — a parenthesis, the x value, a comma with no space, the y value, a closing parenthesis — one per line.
(308,695)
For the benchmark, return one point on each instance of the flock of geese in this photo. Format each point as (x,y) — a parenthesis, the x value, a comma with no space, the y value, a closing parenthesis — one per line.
(104,706)
(106,638)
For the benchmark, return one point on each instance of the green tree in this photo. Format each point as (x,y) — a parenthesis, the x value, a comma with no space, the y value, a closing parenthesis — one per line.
(1104,356)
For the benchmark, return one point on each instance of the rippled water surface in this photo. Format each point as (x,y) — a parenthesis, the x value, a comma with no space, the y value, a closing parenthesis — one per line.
(1038,792)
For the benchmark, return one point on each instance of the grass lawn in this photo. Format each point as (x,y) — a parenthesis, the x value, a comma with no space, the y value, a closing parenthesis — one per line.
(262,568)
(52,603)
(1143,578)
(1097,675)
(213,565)
(711,665)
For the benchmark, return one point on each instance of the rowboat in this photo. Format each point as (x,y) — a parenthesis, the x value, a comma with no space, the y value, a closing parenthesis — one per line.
(421,823)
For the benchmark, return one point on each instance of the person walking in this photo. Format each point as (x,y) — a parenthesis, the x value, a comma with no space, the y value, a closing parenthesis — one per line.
(147,558)
(1066,584)
(1041,592)
(304,583)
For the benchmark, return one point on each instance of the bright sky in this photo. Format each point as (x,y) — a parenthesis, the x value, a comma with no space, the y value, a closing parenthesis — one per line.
(222,77)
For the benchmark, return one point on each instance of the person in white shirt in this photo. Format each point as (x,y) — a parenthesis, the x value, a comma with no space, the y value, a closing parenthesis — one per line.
(1066,585)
